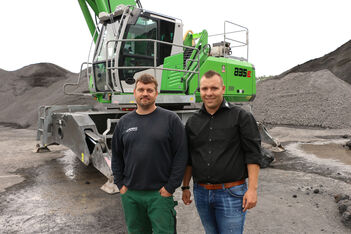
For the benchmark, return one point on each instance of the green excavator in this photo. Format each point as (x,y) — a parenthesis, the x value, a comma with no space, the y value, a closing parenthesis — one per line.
(128,41)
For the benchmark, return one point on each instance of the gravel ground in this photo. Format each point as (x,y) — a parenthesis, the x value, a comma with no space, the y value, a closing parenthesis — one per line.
(55,193)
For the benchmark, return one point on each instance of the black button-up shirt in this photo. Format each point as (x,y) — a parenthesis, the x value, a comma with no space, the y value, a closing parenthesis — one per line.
(221,145)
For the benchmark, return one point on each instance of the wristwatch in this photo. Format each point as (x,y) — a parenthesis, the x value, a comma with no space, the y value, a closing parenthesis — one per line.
(185,187)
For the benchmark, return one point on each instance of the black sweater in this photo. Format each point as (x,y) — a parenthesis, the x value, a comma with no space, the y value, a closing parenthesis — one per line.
(149,151)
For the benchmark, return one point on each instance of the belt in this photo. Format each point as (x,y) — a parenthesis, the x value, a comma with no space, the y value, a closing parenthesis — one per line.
(220,186)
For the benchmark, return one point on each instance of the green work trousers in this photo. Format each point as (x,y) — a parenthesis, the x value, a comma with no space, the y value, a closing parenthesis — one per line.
(149,212)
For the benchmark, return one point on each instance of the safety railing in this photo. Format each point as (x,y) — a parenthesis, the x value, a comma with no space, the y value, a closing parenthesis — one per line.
(78,81)
(89,73)
(237,35)
(188,74)
(154,67)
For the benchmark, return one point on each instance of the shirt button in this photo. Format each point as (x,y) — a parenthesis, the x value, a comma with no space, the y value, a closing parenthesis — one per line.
(210,140)
(208,164)
(209,151)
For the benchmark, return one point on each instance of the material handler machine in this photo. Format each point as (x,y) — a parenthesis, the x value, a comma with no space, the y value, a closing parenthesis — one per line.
(128,41)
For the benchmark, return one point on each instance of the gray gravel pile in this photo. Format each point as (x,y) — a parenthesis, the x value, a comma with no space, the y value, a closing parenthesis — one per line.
(338,62)
(24,90)
(313,99)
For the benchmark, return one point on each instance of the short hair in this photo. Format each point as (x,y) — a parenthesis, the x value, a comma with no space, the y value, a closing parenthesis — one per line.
(210,73)
(147,79)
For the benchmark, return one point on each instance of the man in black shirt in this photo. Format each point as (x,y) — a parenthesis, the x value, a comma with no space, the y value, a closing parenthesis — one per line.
(149,156)
(224,147)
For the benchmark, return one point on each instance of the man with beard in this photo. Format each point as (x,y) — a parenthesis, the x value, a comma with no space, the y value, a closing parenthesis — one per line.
(149,156)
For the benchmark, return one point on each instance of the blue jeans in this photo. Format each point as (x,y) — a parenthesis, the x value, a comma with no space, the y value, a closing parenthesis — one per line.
(221,210)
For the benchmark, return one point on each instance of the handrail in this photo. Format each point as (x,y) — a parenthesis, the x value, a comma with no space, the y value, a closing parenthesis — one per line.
(245,43)
(237,43)
(220,34)
(155,58)
(203,40)
(80,72)
(76,84)
(156,68)
(66,85)
(187,81)
(124,20)
(91,46)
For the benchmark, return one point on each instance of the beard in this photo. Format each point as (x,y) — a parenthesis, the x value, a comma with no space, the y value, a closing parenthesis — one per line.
(146,103)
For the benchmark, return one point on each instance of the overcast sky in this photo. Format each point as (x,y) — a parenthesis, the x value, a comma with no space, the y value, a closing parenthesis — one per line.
(282,34)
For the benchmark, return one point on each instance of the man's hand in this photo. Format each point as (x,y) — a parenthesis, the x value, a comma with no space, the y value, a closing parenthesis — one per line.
(250,199)
(186,197)
(123,190)
(186,179)
(164,192)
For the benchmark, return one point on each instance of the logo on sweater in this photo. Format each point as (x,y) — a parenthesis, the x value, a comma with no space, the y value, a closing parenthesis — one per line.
(134,129)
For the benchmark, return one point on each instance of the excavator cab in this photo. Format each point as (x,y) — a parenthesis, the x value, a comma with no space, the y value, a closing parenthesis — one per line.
(131,43)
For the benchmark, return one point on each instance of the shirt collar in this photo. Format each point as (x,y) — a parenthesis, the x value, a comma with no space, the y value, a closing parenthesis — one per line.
(224,105)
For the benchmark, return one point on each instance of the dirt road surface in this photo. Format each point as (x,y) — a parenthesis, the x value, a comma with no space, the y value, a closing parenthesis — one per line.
(55,193)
